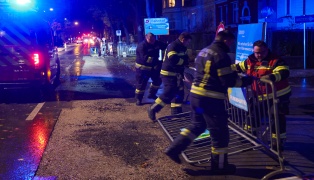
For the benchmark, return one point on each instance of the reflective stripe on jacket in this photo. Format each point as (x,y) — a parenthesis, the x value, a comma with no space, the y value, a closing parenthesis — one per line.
(271,65)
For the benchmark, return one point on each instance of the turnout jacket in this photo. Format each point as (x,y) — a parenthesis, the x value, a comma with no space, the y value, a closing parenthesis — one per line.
(273,66)
(175,59)
(147,55)
(213,73)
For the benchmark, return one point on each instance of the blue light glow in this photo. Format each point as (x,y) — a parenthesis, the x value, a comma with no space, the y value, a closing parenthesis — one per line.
(22,5)
(23,2)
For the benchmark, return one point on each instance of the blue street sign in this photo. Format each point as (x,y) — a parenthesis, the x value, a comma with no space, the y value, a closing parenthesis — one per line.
(157,26)
(303,19)
(269,20)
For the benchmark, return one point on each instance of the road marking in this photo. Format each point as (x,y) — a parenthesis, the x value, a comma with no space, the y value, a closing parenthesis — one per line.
(35,111)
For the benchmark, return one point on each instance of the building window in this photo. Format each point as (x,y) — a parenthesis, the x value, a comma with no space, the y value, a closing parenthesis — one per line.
(164,4)
(221,13)
(172,3)
(182,3)
(226,14)
(288,7)
(235,12)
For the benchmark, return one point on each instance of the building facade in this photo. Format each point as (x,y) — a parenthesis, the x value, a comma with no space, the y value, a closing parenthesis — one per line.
(190,15)
(205,15)
(285,35)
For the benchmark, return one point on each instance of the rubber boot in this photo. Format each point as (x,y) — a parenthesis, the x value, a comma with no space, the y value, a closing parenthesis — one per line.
(176,110)
(152,110)
(179,144)
(138,98)
(220,165)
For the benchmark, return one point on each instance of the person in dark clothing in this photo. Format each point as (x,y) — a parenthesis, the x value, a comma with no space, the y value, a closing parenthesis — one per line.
(213,76)
(266,65)
(174,62)
(148,66)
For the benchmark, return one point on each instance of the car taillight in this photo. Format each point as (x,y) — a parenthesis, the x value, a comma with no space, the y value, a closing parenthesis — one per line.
(36,59)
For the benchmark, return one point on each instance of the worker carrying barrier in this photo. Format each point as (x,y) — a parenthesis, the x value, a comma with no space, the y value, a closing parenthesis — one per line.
(253,124)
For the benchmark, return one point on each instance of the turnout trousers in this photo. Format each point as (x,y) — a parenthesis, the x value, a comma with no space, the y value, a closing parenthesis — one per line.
(142,77)
(173,92)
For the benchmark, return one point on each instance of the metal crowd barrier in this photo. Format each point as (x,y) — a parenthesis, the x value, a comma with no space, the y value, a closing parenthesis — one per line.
(260,123)
(125,49)
(249,129)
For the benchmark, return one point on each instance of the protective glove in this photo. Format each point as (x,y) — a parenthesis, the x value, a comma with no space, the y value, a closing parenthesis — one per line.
(268,77)
(247,80)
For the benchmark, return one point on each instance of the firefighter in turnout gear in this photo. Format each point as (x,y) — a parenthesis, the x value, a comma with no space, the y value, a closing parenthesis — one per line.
(175,60)
(266,65)
(148,66)
(213,76)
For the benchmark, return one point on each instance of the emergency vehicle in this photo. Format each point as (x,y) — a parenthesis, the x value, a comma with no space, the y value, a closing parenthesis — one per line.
(28,58)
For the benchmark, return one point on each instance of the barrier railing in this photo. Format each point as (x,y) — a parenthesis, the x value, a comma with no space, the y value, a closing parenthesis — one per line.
(125,49)
(256,127)
(260,122)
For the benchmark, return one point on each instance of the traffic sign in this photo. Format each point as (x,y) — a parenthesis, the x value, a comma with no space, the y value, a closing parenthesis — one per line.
(303,19)
(118,32)
(271,20)
(220,27)
(157,26)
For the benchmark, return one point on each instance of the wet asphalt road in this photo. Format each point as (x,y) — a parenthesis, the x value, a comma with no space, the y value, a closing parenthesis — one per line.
(26,122)
(24,131)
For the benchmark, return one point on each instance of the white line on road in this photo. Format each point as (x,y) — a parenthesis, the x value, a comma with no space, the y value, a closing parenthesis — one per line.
(35,111)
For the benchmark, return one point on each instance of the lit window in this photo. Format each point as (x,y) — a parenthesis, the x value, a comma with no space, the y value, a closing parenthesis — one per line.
(182,3)
(172,3)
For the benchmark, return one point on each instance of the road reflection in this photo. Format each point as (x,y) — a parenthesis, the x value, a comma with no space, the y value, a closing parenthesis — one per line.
(29,144)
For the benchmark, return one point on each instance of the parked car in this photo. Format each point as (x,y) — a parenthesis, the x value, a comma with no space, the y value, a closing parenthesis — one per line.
(28,59)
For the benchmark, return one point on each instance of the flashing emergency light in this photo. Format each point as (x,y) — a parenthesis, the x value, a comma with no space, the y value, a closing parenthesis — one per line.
(23,2)
(22,5)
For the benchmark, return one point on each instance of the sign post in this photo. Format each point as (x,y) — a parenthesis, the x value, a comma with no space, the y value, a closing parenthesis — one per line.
(304,19)
(118,33)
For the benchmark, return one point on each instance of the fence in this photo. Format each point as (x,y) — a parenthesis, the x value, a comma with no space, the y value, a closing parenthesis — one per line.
(251,129)
(125,49)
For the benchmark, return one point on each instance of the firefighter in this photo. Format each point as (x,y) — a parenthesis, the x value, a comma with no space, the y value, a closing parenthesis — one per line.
(266,65)
(213,76)
(148,66)
(174,62)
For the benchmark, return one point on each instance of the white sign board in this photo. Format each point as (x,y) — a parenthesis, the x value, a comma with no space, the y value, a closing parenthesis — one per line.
(118,32)
(157,26)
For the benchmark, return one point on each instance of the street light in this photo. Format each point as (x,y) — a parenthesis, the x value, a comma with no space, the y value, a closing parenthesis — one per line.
(76,23)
